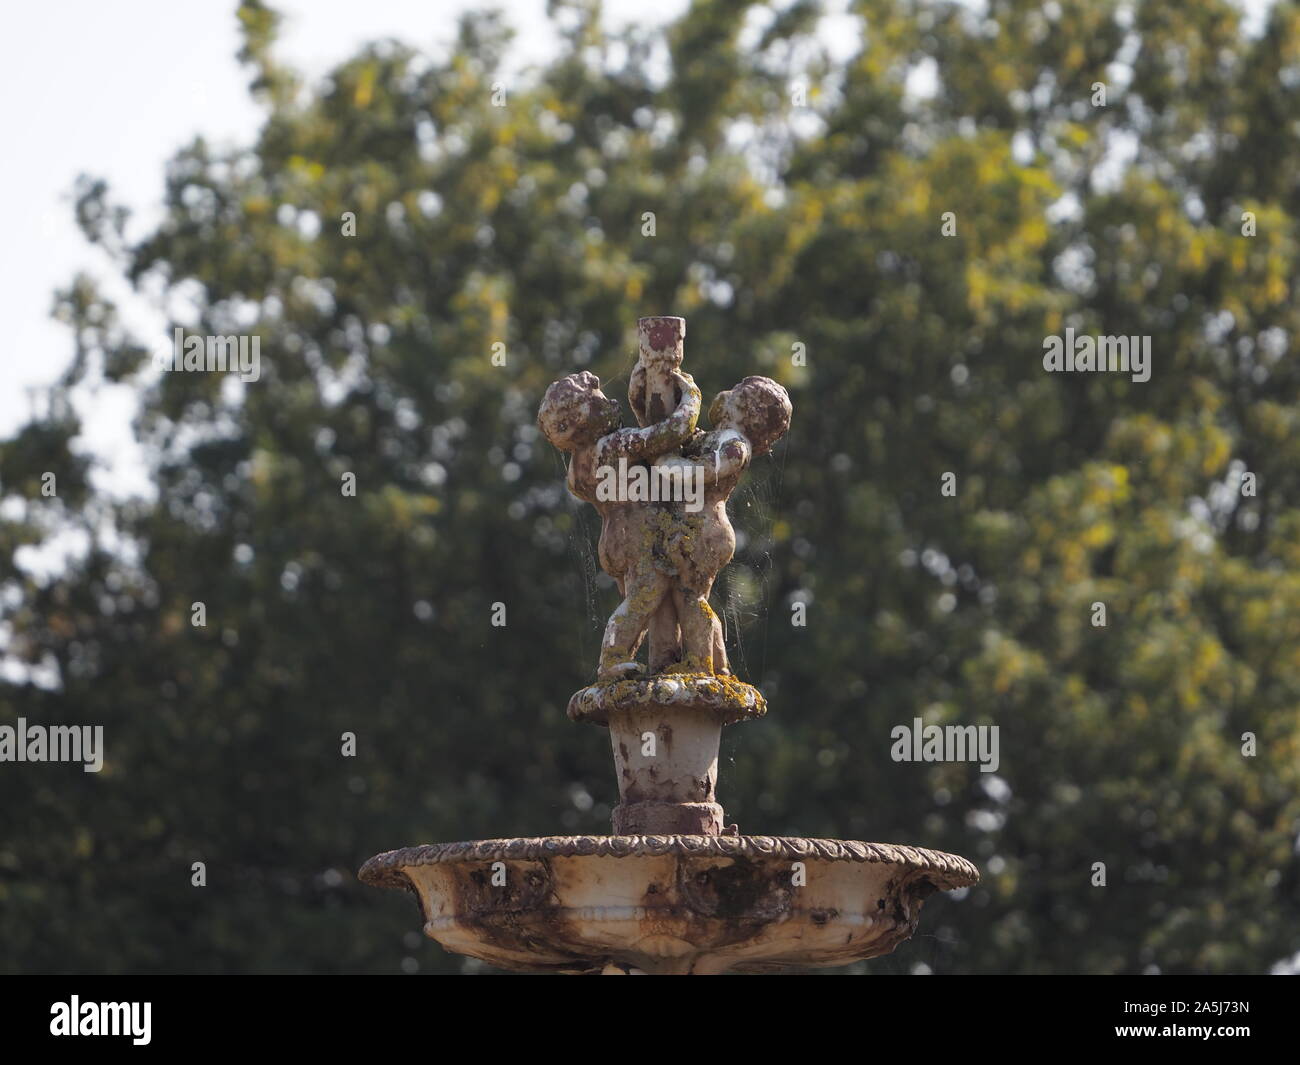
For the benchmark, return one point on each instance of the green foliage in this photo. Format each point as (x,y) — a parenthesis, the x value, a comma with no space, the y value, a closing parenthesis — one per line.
(775,224)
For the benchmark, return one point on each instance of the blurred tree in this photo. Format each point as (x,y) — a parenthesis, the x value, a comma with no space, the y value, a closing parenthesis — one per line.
(780,220)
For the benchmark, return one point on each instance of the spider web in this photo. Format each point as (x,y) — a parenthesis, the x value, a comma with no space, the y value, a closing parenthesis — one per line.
(742,594)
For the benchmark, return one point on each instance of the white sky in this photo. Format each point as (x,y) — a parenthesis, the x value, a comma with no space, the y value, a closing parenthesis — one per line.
(114,90)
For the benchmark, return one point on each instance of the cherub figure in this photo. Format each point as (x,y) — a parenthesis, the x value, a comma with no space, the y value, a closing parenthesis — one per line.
(747,421)
(577,417)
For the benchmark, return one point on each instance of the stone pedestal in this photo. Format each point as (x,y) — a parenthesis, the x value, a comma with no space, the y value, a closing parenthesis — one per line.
(664,731)
(666,758)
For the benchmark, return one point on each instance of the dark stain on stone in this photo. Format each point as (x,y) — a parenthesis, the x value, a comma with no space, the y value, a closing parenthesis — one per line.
(522,914)
(663,335)
(744,889)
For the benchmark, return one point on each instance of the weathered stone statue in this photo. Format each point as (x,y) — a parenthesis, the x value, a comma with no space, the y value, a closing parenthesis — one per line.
(665,552)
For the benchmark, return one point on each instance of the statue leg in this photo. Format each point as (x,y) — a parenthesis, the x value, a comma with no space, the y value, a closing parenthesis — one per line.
(665,637)
(697,620)
(646,588)
(720,663)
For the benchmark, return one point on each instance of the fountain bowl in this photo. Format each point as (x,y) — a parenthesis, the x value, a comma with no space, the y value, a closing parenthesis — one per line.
(668,904)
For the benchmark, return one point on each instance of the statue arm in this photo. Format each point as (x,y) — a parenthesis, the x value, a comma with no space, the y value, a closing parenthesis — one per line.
(582,477)
(643,445)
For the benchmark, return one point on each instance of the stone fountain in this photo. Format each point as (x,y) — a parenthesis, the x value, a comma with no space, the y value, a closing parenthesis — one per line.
(674,889)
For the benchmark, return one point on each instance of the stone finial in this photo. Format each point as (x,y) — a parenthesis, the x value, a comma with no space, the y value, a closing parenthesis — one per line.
(651,390)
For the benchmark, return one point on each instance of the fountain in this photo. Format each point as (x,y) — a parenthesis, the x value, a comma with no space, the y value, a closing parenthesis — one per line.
(674,890)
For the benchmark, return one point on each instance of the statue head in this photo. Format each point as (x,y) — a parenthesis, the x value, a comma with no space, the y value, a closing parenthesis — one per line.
(575,412)
(758,408)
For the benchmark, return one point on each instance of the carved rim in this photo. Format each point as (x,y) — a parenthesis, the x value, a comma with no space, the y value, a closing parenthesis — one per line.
(731,700)
(947,871)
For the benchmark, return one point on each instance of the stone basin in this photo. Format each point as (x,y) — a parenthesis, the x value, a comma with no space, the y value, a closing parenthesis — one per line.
(671,903)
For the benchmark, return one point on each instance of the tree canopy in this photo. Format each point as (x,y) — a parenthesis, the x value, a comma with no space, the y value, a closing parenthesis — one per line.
(798,205)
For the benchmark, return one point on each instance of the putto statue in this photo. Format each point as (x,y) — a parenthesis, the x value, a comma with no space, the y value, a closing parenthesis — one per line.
(663,543)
